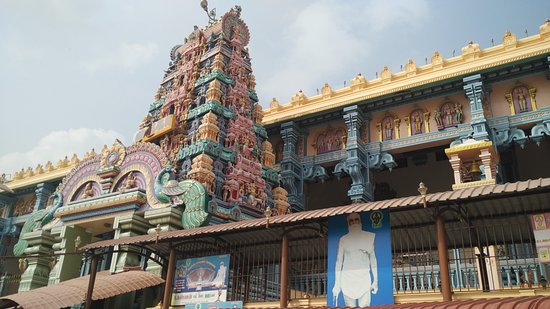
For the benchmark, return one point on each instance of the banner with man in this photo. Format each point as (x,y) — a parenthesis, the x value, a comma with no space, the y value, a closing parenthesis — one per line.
(360,260)
(201,280)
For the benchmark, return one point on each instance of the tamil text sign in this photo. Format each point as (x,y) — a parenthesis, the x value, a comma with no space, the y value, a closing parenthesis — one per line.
(201,280)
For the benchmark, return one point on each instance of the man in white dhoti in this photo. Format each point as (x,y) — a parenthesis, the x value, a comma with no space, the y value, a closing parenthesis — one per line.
(356,271)
(219,280)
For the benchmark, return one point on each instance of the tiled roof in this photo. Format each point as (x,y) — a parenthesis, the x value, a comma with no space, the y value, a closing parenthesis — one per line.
(473,193)
(71,292)
(526,302)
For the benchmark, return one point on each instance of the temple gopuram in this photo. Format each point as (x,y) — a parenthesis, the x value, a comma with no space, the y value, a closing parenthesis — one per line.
(440,170)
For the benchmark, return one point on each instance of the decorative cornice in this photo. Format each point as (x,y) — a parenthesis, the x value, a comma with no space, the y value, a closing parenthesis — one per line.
(57,174)
(474,184)
(434,72)
(101,202)
(469,146)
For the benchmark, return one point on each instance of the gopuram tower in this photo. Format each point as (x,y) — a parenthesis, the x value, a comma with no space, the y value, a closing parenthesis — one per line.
(207,119)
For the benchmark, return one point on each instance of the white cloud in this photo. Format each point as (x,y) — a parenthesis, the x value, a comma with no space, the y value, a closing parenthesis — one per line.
(382,15)
(127,56)
(331,41)
(56,145)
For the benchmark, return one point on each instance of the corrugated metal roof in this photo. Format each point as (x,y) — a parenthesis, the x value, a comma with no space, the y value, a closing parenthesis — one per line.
(527,302)
(71,292)
(474,193)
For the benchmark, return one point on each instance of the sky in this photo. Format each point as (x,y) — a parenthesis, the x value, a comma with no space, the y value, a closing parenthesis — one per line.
(76,75)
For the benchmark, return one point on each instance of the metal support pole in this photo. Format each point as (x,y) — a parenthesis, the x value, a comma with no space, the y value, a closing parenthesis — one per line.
(443,259)
(93,272)
(284,272)
(167,299)
(483,270)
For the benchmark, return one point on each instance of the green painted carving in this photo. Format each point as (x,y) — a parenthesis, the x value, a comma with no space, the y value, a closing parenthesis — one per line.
(270,175)
(260,130)
(252,95)
(215,74)
(206,146)
(57,203)
(44,216)
(21,245)
(195,199)
(213,106)
(191,192)
(155,105)
(162,178)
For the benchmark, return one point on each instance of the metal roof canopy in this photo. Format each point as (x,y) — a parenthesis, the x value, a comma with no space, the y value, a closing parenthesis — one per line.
(491,201)
(73,291)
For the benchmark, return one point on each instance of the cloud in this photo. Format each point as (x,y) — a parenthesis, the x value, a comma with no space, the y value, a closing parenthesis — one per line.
(331,41)
(382,15)
(56,145)
(128,56)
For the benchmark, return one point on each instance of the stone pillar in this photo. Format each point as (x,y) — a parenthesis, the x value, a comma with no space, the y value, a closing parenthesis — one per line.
(357,163)
(7,228)
(291,169)
(125,226)
(476,93)
(455,164)
(169,219)
(38,268)
(67,266)
(43,191)
(6,205)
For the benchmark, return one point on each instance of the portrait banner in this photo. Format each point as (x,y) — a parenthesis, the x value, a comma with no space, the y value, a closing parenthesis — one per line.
(201,280)
(360,260)
(541,230)
(216,305)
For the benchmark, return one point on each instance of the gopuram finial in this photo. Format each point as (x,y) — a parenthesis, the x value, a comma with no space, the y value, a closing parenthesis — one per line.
(211,14)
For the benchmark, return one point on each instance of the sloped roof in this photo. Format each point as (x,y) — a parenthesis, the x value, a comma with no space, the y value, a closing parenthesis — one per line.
(526,302)
(71,292)
(470,194)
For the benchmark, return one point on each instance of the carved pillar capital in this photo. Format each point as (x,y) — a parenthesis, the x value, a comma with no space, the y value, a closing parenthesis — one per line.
(291,169)
(357,166)
(43,191)
(476,93)
(37,269)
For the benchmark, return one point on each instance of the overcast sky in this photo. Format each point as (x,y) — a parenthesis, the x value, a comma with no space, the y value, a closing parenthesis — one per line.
(78,74)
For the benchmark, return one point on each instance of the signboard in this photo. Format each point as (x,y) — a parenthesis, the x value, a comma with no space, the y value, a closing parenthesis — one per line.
(216,305)
(359,260)
(541,229)
(201,280)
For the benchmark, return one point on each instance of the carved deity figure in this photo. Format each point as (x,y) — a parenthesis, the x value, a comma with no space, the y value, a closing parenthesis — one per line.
(88,191)
(329,143)
(130,181)
(458,113)
(417,124)
(448,116)
(344,139)
(226,191)
(522,102)
(388,129)
(437,116)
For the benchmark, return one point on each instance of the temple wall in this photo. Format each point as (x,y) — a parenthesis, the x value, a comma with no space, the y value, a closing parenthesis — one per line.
(500,106)
(316,130)
(429,105)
